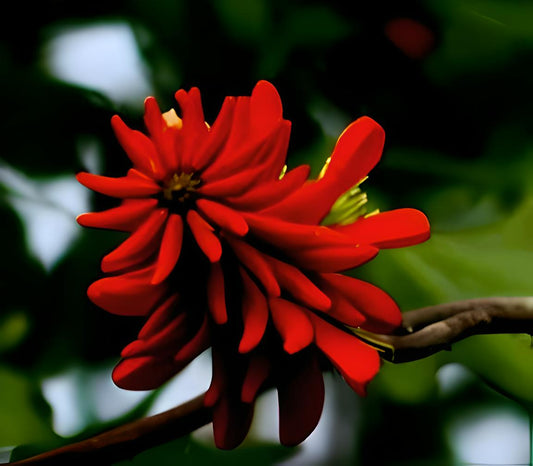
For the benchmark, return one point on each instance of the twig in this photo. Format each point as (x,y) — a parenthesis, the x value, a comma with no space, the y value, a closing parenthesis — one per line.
(435,328)
(428,330)
(129,439)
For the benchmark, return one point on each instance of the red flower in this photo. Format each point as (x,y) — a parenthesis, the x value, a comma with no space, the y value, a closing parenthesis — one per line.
(224,252)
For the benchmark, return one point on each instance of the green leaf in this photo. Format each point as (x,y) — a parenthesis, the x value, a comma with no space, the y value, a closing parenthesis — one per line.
(24,416)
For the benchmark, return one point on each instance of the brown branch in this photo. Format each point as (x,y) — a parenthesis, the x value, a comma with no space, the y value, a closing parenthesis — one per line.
(129,439)
(432,329)
(426,331)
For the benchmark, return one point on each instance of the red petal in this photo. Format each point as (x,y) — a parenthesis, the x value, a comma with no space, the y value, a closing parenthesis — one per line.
(164,341)
(139,246)
(125,217)
(218,381)
(256,374)
(170,250)
(198,343)
(301,398)
(218,134)
(139,147)
(231,422)
(267,194)
(126,186)
(265,109)
(382,313)
(162,136)
(203,233)
(356,361)
(356,153)
(223,216)
(129,294)
(254,313)
(393,229)
(341,309)
(255,263)
(335,259)
(143,373)
(298,285)
(160,318)
(216,294)
(292,324)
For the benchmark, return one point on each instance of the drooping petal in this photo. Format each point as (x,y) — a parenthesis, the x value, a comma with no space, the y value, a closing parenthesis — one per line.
(356,153)
(198,343)
(126,186)
(301,398)
(170,250)
(125,217)
(226,218)
(255,263)
(298,285)
(129,294)
(143,373)
(292,324)
(204,236)
(139,148)
(392,229)
(256,374)
(218,380)
(254,314)
(341,309)
(269,193)
(140,245)
(160,317)
(335,259)
(216,294)
(356,361)
(231,421)
(381,312)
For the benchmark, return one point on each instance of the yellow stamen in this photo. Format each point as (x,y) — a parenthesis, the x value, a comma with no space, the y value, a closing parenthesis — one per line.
(183,182)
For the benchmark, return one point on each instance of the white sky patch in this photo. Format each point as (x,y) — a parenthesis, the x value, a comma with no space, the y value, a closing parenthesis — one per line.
(47,209)
(102,56)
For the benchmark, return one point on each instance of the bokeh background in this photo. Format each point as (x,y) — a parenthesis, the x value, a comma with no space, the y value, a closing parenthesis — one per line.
(451,83)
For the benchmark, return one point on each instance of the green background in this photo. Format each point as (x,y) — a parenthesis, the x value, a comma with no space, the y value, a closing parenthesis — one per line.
(459,147)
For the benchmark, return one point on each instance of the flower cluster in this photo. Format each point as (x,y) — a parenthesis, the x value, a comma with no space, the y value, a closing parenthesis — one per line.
(228,251)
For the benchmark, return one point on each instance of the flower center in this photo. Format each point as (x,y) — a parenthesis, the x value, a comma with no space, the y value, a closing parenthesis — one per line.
(180,187)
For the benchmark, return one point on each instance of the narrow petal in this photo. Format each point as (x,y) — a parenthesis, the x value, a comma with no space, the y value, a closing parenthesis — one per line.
(254,314)
(140,149)
(231,421)
(217,136)
(255,263)
(203,233)
(160,317)
(393,229)
(129,294)
(256,375)
(126,186)
(161,134)
(170,250)
(216,294)
(218,380)
(198,343)
(292,324)
(336,259)
(356,361)
(301,398)
(140,245)
(341,309)
(298,285)
(356,153)
(380,310)
(125,217)
(143,373)
(226,218)
(270,193)
(265,109)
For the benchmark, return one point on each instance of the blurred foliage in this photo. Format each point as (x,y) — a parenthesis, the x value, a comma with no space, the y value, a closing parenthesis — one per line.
(459,147)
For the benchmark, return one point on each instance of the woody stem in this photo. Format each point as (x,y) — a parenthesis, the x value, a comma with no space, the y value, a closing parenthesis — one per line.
(426,331)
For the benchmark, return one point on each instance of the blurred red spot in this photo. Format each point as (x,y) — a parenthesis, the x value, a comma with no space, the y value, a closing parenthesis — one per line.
(411,37)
